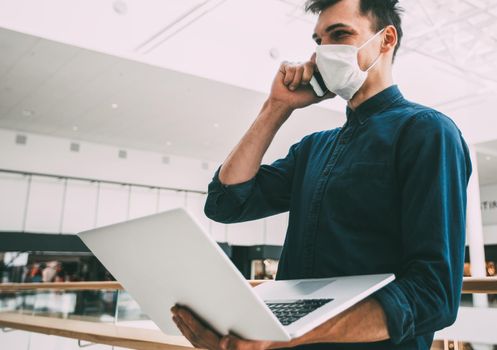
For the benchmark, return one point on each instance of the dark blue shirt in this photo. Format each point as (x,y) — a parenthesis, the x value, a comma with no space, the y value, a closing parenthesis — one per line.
(384,193)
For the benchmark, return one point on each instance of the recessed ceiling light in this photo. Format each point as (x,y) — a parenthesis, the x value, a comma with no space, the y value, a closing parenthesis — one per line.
(21,139)
(488,158)
(274,53)
(123,154)
(74,147)
(168,143)
(75,128)
(114,105)
(120,7)
(27,112)
(216,125)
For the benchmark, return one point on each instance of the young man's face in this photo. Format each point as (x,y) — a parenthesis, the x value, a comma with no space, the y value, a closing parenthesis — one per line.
(344,24)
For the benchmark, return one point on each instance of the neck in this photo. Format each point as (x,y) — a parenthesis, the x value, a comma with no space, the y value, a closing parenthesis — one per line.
(375,84)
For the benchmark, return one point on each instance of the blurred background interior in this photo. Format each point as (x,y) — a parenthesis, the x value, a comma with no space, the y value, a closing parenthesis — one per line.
(111,110)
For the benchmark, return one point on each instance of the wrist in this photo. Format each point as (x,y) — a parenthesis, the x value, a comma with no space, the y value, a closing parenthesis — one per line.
(321,334)
(278,109)
(290,344)
(281,345)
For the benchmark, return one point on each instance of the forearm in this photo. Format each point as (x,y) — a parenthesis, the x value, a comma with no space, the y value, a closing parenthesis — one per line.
(244,161)
(363,323)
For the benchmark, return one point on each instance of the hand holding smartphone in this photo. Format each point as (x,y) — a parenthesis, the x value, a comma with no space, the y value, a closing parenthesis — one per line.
(318,85)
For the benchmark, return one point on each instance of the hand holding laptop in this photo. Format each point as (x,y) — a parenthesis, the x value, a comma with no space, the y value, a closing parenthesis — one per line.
(173,245)
(203,336)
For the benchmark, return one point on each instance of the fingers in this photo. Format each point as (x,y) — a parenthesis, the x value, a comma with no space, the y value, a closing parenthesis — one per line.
(187,332)
(288,70)
(201,336)
(230,342)
(225,343)
(193,329)
(186,318)
(309,69)
(296,75)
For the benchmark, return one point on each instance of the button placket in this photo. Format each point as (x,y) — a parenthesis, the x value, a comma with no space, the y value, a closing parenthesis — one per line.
(310,234)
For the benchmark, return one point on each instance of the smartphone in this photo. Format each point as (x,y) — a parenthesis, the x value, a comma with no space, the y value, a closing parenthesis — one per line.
(318,84)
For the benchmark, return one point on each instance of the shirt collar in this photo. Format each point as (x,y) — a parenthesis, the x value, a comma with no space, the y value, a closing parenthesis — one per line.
(375,104)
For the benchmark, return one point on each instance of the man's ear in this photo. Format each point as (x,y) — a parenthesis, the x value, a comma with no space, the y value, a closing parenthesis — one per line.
(389,39)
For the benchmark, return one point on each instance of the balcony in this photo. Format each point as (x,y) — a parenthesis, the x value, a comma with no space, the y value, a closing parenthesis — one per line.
(102,315)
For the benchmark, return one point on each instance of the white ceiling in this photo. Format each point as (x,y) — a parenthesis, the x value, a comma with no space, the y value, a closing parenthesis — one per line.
(460,33)
(189,76)
(61,90)
(450,42)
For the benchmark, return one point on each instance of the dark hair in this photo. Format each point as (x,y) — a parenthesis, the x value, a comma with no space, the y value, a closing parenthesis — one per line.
(383,12)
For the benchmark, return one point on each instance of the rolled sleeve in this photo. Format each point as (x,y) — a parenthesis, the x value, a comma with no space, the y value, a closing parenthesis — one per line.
(400,320)
(433,169)
(267,193)
(239,193)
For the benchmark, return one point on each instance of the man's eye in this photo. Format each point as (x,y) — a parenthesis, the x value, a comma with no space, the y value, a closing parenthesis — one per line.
(340,34)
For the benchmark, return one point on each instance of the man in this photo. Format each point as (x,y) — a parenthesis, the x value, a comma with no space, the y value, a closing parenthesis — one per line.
(386,192)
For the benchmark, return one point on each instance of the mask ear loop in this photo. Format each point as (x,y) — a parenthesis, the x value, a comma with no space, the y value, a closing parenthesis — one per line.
(374,63)
(371,39)
(379,55)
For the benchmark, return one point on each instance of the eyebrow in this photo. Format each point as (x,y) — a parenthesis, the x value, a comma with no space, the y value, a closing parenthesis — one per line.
(331,28)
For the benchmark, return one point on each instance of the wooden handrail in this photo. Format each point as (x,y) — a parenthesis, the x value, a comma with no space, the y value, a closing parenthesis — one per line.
(487,285)
(125,336)
(95,332)
(74,286)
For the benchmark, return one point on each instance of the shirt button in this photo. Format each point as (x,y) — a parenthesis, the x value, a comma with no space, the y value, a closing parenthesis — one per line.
(326,172)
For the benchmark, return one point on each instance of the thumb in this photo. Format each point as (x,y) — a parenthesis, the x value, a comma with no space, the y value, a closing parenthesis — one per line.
(313,58)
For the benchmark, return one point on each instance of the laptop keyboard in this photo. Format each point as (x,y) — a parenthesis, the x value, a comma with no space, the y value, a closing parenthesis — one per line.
(291,311)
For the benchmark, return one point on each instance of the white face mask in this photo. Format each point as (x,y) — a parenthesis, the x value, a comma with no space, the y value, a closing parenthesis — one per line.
(339,67)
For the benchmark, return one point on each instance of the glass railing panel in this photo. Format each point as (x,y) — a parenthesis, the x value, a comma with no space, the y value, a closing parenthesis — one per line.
(90,305)
(475,326)
(128,309)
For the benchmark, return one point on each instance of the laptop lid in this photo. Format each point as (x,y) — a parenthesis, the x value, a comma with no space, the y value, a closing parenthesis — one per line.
(167,258)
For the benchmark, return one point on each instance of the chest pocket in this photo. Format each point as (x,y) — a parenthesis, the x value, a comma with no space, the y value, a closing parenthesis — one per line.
(362,195)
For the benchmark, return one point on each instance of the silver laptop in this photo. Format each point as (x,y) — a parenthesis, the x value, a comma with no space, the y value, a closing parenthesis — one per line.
(168,258)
